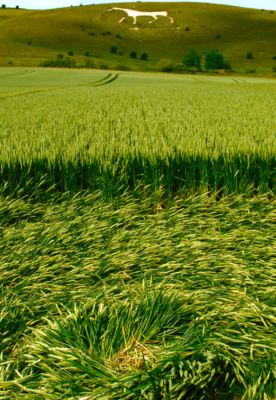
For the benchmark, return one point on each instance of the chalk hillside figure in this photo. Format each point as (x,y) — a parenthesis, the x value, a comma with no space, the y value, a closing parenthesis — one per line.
(134,14)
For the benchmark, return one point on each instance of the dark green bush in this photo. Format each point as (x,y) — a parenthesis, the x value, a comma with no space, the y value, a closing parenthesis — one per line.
(59,63)
(91,34)
(122,67)
(133,54)
(70,53)
(60,56)
(214,60)
(249,55)
(113,49)
(103,65)
(144,56)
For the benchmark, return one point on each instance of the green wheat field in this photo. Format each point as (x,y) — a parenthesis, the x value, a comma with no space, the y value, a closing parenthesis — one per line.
(138,236)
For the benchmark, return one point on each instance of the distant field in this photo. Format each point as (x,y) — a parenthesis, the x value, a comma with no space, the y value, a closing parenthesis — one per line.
(177,132)
(138,236)
(33,78)
(233,31)
(16,82)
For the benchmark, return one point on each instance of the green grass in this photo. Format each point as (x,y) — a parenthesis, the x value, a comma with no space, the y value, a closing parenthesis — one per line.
(138,240)
(52,32)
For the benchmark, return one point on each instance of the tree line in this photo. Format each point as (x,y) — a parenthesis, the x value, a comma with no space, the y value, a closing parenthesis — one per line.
(213,60)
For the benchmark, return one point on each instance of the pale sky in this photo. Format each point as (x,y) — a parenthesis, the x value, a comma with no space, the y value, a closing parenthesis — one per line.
(46,4)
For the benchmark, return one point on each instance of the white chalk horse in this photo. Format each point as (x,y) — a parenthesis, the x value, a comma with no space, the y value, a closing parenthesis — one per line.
(134,14)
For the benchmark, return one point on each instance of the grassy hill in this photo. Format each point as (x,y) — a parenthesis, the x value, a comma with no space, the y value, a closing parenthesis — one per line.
(28,37)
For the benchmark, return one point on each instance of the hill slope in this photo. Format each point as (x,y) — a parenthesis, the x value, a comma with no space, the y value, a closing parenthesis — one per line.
(28,37)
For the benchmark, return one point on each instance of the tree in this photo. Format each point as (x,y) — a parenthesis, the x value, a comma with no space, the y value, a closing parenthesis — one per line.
(3,5)
(214,60)
(17,7)
(133,54)
(249,55)
(192,59)
(113,49)
(144,56)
